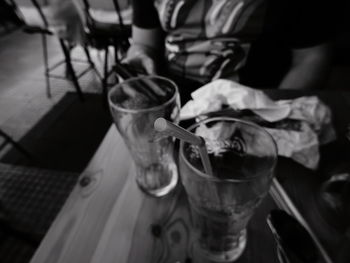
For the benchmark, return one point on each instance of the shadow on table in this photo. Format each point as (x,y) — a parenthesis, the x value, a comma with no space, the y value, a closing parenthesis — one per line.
(66,137)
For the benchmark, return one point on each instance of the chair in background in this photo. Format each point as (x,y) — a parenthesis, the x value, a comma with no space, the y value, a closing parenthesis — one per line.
(41,25)
(106,33)
(35,23)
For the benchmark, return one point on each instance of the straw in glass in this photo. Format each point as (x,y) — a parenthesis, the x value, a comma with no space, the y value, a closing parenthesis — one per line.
(162,125)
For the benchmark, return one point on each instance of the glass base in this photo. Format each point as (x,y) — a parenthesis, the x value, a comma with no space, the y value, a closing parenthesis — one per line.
(224,256)
(156,190)
(161,191)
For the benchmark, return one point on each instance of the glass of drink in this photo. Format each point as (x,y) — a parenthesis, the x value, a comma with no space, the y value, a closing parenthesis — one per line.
(243,157)
(134,105)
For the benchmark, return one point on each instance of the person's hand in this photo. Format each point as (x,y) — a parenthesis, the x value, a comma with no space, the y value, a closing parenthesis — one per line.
(142,58)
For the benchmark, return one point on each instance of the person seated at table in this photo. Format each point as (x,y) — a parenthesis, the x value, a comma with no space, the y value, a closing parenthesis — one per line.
(260,43)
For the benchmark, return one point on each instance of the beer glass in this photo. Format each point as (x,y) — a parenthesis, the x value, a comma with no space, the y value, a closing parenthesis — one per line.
(243,157)
(134,105)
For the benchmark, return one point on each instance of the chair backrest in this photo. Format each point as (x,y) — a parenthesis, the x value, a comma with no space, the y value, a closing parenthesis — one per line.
(38,5)
(100,20)
(30,13)
(34,12)
(108,4)
(86,8)
(63,18)
(95,7)
(118,11)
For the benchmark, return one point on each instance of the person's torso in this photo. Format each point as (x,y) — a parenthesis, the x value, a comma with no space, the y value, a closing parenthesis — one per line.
(209,39)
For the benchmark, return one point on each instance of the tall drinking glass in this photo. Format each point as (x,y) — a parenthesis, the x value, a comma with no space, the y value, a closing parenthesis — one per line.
(135,104)
(243,156)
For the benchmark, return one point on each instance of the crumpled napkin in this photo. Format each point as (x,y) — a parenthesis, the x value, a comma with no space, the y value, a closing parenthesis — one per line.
(220,92)
(302,144)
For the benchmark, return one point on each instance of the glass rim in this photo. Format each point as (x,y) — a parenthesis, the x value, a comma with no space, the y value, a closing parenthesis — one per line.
(142,110)
(216,179)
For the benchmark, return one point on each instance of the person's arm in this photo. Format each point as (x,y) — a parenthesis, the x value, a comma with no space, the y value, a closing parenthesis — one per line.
(147,37)
(310,68)
(308,29)
(145,50)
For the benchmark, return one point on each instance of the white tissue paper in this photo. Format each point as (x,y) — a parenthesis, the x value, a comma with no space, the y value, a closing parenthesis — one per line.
(302,145)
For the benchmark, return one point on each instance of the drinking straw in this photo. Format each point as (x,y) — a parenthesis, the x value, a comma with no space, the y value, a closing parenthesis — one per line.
(143,86)
(154,88)
(162,125)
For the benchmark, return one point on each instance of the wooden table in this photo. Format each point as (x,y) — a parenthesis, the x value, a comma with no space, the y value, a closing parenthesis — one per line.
(107,219)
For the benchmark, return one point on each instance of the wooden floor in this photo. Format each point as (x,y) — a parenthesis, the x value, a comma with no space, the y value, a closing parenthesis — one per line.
(23,104)
(23,99)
